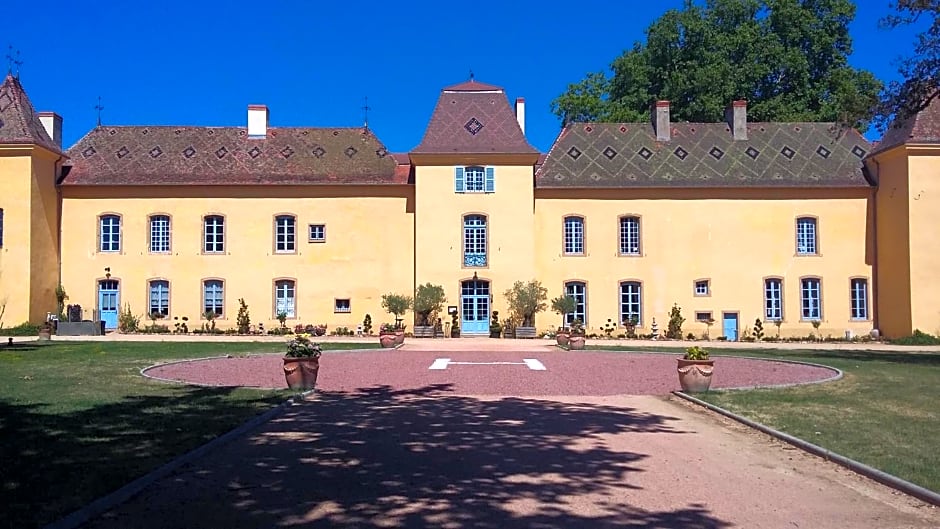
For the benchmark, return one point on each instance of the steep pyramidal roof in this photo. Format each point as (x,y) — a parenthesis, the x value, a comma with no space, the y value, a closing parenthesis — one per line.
(609,155)
(159,155)
(473,118)
(922,127)
(19,123)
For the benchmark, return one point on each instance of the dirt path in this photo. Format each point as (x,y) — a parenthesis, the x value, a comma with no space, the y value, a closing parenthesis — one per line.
(422,458)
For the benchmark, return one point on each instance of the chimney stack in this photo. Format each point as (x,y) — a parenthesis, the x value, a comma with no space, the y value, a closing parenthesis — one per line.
(52,122)
(736,116)
(661,121)
(257,121)
(520,113)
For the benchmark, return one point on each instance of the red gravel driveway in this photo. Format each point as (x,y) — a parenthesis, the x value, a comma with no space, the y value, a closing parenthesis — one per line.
(566,373)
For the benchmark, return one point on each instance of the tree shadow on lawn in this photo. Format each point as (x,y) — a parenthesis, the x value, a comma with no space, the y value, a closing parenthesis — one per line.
(380,457)
(54,463)
(894,357)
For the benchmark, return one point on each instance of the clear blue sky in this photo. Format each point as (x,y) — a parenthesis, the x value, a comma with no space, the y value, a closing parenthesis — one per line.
(202,62)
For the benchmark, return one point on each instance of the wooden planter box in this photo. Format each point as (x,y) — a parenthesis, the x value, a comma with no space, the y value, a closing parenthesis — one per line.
(424,331)
(525,332)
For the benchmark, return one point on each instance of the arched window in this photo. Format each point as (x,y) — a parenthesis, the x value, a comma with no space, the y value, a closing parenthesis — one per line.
(109,234)
(574,235)
(214,234)
(284,298)
(285,234)
(160,298)
(578,291)
(159,233)
(631,302)
(212,297)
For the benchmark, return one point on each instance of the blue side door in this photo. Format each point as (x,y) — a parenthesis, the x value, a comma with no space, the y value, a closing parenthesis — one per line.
(475,307)
(108,303)
(729,326)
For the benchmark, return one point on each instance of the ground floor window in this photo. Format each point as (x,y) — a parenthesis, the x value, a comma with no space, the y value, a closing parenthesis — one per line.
(630,306)
(578,291)
(212,297)
(859,298)
(284,298)
(811,302)
(160,298)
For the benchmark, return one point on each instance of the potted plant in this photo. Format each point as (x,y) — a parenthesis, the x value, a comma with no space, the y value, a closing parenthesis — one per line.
(45,331)
(563,305)
(576,337)
(525,301)
(496,329)
(695,369)
(428,302)
(302,362)
(387,335)
(454,325)
(397,305)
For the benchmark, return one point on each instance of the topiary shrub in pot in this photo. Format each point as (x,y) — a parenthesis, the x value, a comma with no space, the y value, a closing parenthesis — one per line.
(563,305)
(695,370)
(302,362)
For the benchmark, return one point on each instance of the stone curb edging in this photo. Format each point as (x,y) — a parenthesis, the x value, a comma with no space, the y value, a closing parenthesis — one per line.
(884,478)
(128,491)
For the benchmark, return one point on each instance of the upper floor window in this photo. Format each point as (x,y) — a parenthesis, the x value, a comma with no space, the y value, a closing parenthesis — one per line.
(474,240)
(284,300)
(702,287)
(159,234)
(284,240)
(474,179)
(631,308)
(773,299)
(214,240)
(342,305)
(574,235)
(110,233)
(630,236)
(811,297)
(1,227)
(317,233)
(212,297)
(578,291)
(859,299)
(806,236)
(160,298)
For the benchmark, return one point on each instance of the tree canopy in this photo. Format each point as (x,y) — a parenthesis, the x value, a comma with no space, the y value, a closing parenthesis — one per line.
(787,58)
(920,70)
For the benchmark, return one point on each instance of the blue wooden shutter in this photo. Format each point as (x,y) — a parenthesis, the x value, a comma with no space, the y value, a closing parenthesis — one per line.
(458,180)
(490,180)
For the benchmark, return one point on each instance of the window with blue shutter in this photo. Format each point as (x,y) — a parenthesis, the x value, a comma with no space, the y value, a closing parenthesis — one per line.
(490,180)
(458,180)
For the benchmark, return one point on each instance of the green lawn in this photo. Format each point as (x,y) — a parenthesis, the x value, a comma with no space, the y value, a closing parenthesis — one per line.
(883,413)
(77,420)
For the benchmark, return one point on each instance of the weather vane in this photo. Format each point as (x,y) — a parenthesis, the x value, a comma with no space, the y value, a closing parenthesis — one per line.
(13,60)
(365,111)
(471,74)
(99,108)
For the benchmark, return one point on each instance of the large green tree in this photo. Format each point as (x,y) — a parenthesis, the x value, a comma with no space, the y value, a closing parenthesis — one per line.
(921,69)
(787,58)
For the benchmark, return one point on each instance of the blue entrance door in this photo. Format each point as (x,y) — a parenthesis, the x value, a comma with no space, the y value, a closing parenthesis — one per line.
(108,303)
(730,325)
(475,307)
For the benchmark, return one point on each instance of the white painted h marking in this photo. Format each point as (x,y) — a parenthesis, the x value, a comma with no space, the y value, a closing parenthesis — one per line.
(441,364)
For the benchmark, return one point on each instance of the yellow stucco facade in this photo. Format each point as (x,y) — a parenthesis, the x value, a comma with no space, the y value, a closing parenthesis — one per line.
(473,221)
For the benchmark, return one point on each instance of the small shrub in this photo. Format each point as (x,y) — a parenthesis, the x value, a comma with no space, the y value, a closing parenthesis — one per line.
(696,352)
(24,329)
(690,336)
(180,327)
(918,338)
(609,327)
(243,319)
(367,324)
(127,322)
(758,332)
(674,329)
(630,326)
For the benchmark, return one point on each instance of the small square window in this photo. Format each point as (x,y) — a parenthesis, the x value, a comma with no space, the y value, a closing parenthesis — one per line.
(703,317)
(318,233)
(342,305)
(702,288)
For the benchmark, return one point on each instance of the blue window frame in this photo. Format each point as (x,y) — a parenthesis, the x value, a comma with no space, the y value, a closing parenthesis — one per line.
(474,240)
(474,179)
(109,233)
(160,297)
(212,297)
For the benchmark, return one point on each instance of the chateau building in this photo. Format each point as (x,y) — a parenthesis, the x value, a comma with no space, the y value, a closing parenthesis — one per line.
(799,225)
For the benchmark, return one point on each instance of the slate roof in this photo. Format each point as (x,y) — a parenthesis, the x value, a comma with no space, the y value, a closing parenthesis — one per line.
(705,155)
(922,127)
(473,118)
(225,155)
(19,123)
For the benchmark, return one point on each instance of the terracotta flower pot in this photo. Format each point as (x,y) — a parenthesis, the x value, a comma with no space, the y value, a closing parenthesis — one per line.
(301,373)
(562,338)
(387,340)
(399,337)
(695,376)
(576,342)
